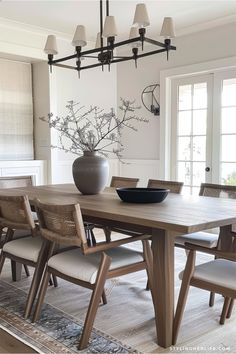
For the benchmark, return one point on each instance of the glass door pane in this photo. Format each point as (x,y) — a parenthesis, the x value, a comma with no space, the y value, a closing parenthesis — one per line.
(191,156)
(228,132)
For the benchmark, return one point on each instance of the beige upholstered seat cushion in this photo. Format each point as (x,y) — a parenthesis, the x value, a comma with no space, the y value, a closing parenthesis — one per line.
(221,272)
(74,264)
(198,238)
(27,247)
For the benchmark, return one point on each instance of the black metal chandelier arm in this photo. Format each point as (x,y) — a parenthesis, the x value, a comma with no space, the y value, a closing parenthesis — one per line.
(154,42)
(65,66)
(96,50)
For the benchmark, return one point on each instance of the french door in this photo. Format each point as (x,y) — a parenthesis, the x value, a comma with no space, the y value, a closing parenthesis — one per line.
(204,130)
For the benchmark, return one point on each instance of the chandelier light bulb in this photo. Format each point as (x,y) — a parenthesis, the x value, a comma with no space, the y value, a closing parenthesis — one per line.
(167,30)
(133,34)
(110,29)
(79,39)
(141,18)
(51,45)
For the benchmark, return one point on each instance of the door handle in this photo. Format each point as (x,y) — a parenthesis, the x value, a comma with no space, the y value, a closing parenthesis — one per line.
(207,169)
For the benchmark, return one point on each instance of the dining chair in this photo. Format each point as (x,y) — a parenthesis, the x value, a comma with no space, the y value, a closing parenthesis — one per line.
(15,214)
(15,182)
(122,182)
(173,186)
(207,239)
(85,265)
(203,238)
(217,276)
(116,182)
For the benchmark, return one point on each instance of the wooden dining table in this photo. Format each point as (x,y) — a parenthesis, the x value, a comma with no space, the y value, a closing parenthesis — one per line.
(176,215)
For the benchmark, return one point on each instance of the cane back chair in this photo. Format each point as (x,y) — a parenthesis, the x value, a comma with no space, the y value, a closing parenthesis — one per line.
(217,276)
(173,186)
(87,266)
(15,182)
(15,214)
(207,239)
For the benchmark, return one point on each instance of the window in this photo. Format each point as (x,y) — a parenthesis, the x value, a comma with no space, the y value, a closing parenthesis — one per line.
(16,111)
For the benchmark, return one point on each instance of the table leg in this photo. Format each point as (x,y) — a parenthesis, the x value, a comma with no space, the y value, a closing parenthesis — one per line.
(163,285)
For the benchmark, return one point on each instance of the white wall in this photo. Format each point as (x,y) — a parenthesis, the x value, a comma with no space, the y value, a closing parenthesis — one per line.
(93,88)
(198,47)
(52,91)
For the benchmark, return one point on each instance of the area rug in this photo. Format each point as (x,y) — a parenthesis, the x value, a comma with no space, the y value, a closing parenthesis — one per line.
(56,332)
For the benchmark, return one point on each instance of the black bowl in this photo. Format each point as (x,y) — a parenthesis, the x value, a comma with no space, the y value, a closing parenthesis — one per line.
(142,195)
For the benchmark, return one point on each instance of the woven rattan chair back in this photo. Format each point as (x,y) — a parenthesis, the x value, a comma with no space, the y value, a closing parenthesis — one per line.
(122,182)
(173,186)
(217,190)
(15,213)
(16,181)
(62,224)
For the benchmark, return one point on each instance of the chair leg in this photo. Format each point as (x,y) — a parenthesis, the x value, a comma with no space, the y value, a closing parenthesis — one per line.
(183,294)
(230,309)
(55,282)
(26,270)
(107,233)
(212,299)
(2,260)
(104,298)
(225,310)
(42,292)
(38,273)
(148,257)
(16,270)
(94,301)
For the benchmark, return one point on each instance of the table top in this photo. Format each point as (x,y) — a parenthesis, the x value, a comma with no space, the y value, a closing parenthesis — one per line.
(179,213)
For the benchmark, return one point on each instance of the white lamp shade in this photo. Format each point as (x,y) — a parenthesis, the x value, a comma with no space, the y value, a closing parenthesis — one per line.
(141,18)
(79,39)
(51,45)
(98,40)
(110,29)
(133,34)
(167,30)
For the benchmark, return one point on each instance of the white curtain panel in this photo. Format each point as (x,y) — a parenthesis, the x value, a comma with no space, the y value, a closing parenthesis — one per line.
(16,111)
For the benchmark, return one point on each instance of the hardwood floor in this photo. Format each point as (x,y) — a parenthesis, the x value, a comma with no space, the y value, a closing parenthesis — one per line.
(9,344)
(129,315)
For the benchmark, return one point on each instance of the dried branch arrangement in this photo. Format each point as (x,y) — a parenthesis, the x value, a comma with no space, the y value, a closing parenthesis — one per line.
(93,129)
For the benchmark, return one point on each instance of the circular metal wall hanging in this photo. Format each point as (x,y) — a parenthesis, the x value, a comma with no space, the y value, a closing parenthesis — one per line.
(150,97)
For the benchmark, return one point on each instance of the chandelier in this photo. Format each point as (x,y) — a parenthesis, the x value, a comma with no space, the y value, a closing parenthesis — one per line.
(103,53)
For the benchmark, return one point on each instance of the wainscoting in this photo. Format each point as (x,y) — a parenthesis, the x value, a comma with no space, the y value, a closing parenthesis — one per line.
(35,168)
(61,170)
(142,169)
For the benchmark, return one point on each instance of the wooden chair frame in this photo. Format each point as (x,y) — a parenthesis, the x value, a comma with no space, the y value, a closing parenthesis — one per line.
(204,191)
(119,182)
(26,224)
(227,251)
(103,271)
(173,186)
(14,182)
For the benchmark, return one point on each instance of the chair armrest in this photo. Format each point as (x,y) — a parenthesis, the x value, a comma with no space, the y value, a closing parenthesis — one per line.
(103,246)
(213,251)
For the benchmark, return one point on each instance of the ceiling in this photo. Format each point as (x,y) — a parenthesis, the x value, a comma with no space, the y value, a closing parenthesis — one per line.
(63,16)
